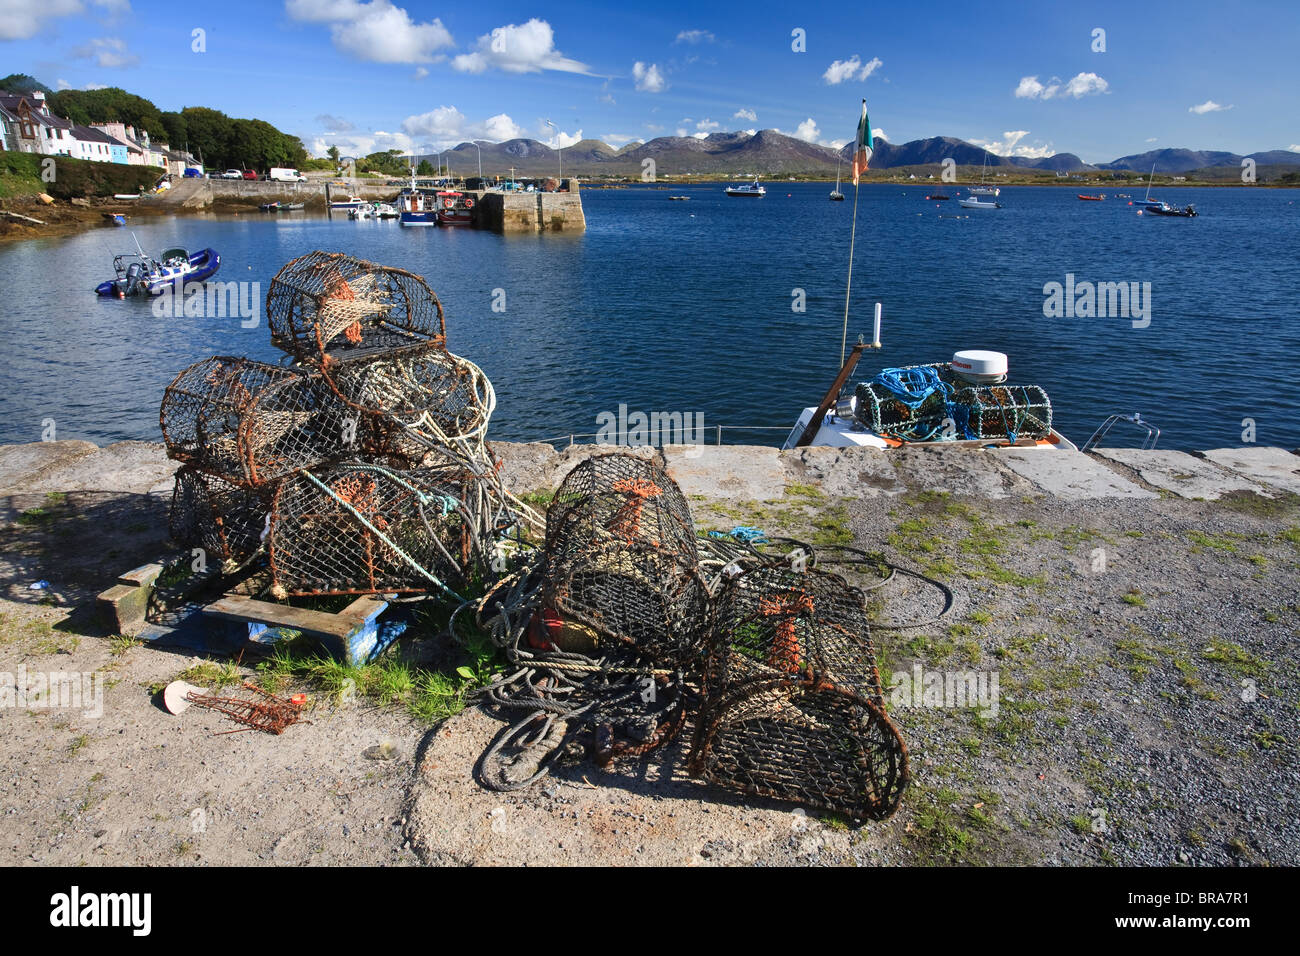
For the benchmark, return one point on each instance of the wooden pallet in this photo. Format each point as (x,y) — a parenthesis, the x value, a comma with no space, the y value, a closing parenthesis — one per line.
(238,620)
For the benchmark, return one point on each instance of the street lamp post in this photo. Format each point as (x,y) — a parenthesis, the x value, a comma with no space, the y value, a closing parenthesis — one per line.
(480,160)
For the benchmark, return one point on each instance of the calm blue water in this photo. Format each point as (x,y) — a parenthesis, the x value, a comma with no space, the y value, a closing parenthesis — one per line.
(686,306)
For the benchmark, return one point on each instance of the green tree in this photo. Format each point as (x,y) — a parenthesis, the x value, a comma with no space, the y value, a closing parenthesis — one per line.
(333,153)
(22,83)
(425,168)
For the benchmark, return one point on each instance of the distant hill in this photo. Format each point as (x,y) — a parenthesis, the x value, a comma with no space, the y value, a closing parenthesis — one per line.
(770,153)
(1187,160)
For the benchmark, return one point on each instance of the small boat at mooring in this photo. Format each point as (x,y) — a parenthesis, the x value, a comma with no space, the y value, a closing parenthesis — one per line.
(353,202)
(754,190)
(140,274)
(455,208)
(1092,198)
(977,203)
(938,197)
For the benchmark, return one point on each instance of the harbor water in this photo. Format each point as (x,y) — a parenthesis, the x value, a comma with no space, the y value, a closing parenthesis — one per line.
(726,310)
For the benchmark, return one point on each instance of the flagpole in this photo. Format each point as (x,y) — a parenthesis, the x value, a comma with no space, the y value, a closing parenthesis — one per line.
(848,286)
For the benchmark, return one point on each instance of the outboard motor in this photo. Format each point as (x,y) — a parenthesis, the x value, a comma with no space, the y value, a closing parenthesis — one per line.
(132,281)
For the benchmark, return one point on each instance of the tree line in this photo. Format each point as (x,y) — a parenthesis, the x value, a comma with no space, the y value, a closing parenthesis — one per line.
(220,141)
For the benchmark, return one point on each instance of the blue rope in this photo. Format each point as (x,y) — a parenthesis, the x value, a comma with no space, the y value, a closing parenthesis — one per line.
(742,533)
(912,386)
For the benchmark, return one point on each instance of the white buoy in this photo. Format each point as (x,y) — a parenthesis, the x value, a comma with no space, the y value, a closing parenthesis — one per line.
(875,336)
(174,695)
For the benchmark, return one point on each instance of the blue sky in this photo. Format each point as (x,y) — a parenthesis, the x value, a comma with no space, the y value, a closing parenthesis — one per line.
(1019,77)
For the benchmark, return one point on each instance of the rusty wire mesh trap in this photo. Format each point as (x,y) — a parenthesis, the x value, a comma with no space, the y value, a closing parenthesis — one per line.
(620,561)
(224,519)
(331,305)
(793,707)
(362,529)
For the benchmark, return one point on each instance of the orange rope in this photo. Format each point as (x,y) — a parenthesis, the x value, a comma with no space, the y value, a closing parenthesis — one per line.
(785,647)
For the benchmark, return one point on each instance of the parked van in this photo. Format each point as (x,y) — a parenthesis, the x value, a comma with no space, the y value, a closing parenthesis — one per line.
(281,175)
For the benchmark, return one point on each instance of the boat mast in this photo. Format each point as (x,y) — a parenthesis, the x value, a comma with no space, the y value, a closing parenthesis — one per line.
(1147,197)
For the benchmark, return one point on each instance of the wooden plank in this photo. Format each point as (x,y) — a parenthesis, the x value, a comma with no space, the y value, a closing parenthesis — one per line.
(237,607)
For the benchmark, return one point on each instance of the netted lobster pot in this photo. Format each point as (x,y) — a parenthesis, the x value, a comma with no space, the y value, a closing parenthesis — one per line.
(793,708)
(421,391)
(364,529)
(817,746)
(884,413)
(330,304)
(223,519)
(620,562)
(252,423)
(1009,412)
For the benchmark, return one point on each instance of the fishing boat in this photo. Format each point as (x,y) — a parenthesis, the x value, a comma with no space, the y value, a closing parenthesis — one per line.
(974,202)
(455,208)
(938,197)
(754,190)
(362,212)
(680,198)
(415,206)
(964,402)
(1092,198)
(384,210)
(352,202)
(140,274)
(1158,207)
(983,189)
(836,195)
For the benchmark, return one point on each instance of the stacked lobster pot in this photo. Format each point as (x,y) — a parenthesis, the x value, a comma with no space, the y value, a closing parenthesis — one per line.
(361,467)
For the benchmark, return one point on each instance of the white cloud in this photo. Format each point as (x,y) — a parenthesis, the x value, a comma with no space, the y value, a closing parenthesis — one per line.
(562,140)
(518,48)
(1082,84)
(648,78)
(21,19)
(447,126)
(62,85)
(95,86)
(377,32)
(879,133)
(807,131)
(745,114)
(107,51)
(335,124)
(682,131)
(654,127)
(851,69)
(707,125)
(695,36)
(1209,106)
(608,99)
(420,73)
(617,139)
(1085,84)
(1294,148)
(1010,145)
(1151,139)
(750,132)
(362,144)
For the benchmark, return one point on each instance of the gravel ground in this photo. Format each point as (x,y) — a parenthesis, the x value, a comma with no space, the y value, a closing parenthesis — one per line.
(1147,711)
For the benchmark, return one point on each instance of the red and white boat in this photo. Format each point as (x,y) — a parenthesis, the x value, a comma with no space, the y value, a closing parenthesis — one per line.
(455,208)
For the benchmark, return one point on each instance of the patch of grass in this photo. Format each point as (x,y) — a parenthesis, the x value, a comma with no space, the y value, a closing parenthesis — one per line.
(77,744)
(119,644)
(35,518)
(211,674)
(1080,824)
(806,492)
(980,617)
(1134,597)
(938,832)
(1235,659)
(1201,541)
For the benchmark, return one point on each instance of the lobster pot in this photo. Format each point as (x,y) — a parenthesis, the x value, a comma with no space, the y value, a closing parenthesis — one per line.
(884,413)
(424,393)
(620,563)
(1002,412)
(820,746)
(793,706)
(250,423)
(223,519)
(330,305)
(774,626)
(365,529)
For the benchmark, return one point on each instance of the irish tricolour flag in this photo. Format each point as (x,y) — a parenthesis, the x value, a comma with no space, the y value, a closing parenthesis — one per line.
(862,153)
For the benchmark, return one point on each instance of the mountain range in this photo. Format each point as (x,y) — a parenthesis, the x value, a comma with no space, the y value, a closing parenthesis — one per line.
(769,153)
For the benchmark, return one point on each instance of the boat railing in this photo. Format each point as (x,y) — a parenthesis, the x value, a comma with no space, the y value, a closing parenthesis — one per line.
(1150,437)
(713,431)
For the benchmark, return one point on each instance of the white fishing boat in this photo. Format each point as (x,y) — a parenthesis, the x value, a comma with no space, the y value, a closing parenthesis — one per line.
(352,202)
(754,190)
(964,402)
(973,202)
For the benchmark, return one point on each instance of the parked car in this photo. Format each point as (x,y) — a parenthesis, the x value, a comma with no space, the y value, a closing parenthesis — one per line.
(192,173)
(250,174)
(232,174)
